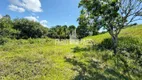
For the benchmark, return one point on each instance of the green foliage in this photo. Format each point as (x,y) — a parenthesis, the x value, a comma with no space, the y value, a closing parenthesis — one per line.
(71,28)
(85,25)
(126,65)
(20,29)
(61,32)
(7,28)
(82,31)
(29,29)
(3,41)
(112,15)
(34,59)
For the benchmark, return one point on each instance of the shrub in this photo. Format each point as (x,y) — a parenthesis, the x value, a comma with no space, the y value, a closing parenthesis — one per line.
(3,41)
(29,29)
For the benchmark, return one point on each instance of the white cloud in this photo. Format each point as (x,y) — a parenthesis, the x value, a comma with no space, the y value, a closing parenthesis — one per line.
(35,18)
(32,18)
(31,5)
(16,2)
(44,23)
(16,8)
(0,16)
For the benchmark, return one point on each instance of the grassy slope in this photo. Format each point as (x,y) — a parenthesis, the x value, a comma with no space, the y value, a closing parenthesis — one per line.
(134,31)
(41,59)
(129,38)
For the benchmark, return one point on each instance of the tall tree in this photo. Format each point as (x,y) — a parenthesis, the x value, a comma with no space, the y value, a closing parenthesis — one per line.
(83,28)
(113,15)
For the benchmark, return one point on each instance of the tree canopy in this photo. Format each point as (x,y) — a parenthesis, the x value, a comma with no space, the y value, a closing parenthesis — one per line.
(21,28)
(61,32)
(29,29)
(112,15)
(7,28)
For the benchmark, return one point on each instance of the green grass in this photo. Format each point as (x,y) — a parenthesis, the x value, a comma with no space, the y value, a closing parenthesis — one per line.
(34,59)
(104,63)
(42,59)
(134,31)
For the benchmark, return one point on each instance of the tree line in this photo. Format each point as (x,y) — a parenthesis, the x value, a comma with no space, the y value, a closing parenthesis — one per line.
(22,28)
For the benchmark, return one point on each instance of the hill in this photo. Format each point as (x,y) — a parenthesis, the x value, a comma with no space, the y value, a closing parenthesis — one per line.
(47,59)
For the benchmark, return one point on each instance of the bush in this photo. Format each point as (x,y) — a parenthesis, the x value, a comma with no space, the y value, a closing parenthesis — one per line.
(6,28)
(106,44)
(29,29)
(3,41)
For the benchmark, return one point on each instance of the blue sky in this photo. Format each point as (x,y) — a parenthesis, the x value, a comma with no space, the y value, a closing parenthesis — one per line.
(47,12)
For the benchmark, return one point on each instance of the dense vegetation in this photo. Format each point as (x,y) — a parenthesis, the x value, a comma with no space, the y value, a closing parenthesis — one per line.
(61,32)
(36,59)
(24,29)
(20,29)
(29,29)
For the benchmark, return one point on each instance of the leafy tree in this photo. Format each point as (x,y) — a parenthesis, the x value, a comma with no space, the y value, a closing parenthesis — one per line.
(71,29)
(113,15)
(57,32)
(52,33)
(82,31)
(65,32)
(85,27)
(6,28)
(29,29)
(61,32)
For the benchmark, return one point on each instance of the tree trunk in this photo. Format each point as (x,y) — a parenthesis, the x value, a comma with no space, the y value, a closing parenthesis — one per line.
(115,42)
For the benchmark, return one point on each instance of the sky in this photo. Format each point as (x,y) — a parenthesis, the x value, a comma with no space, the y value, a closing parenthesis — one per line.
(48,12)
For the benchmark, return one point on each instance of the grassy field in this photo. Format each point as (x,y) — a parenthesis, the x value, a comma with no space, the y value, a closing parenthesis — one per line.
(43,59)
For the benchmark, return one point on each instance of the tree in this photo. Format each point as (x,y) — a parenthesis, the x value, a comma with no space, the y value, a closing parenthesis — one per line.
(29,29)
(61,32)
(65,32)
(52,32)
(82,31)
(113,15)
(71,29)
(85,27)
(7,29)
